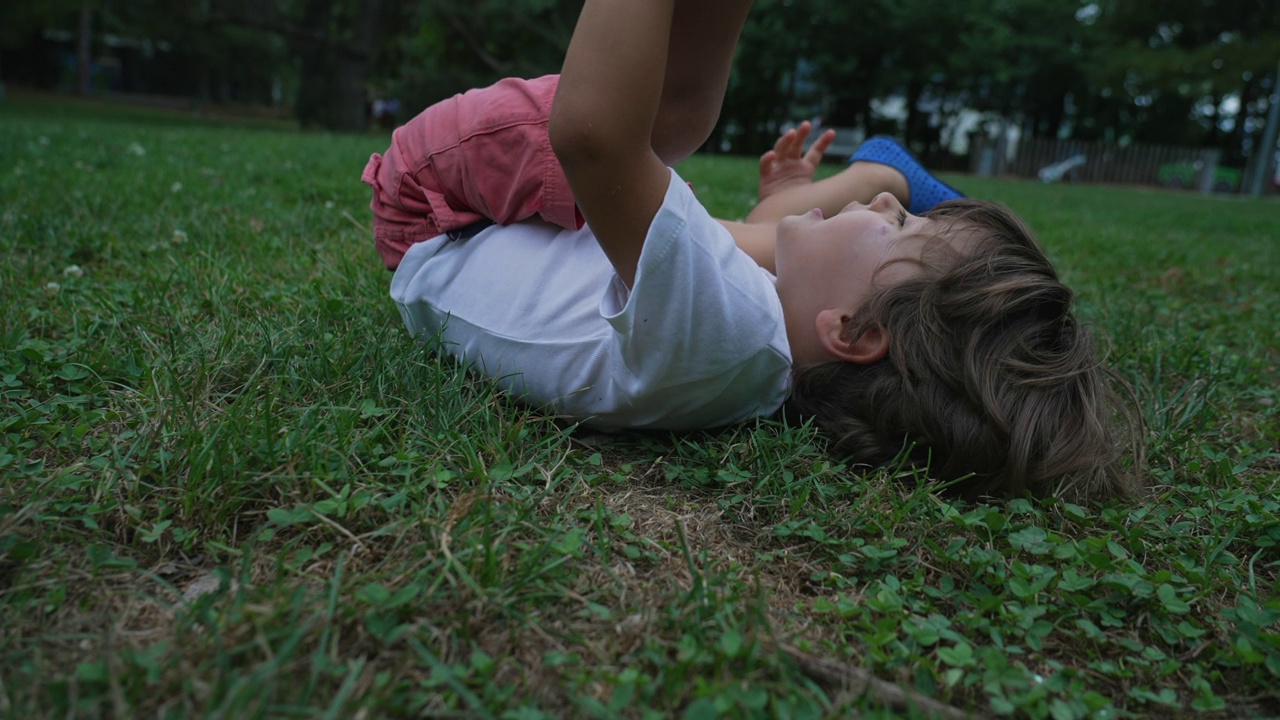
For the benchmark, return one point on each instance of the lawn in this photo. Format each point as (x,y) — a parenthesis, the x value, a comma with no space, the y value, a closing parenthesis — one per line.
(233,486)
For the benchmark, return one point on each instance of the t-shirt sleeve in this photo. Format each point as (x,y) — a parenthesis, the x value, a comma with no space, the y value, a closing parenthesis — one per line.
(699,306)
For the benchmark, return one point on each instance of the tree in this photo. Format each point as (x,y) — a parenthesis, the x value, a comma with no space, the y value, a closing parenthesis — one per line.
(331,45)
(1172,64)
(26,57)
(334,43)
(769,84)
(208,57)
(1021,60)
(453,46)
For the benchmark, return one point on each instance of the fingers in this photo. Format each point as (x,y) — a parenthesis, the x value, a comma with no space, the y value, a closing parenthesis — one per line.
(802,132)
(782,147)
(819,147)
(789,148)
(766,161)
(790,145)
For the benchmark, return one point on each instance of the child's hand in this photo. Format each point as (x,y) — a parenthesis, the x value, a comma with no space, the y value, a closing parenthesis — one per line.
(787,164)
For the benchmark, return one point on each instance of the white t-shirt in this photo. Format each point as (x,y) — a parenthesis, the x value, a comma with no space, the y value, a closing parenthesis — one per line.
(698,342)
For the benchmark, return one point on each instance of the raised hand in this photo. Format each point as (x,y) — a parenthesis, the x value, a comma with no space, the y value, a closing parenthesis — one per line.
(787,164)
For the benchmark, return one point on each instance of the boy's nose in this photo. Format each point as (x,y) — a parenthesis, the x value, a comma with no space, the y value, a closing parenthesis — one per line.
(885,201)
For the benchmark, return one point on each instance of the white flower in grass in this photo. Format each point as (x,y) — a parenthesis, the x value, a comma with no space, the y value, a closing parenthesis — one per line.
(136,149)
(176,188)
(179,237)
(52,288)
(328,204)
(73,271)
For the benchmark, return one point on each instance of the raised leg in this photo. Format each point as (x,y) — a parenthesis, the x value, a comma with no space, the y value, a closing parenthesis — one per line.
(703,36)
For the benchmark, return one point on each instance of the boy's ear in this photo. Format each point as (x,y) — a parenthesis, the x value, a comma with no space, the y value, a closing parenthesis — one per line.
(869,347)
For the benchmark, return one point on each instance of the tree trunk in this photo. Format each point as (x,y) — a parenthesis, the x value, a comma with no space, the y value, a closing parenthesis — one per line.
(1234,145)
(911,131)
(84,45)
(1057,116)
(353,71)
(331,94)
(1213,138)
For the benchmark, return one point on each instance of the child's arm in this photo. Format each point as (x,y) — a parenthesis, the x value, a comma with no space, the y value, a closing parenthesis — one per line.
(603,119)
(757,239)
(787,186)
(785,170)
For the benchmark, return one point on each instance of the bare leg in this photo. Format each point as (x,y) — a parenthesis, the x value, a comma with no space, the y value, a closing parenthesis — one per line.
(703,36)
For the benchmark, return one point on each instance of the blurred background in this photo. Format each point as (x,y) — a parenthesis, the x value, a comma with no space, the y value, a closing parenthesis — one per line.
(1176,93)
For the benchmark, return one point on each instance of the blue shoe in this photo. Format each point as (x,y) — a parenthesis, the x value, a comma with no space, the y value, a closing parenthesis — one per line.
(926,190)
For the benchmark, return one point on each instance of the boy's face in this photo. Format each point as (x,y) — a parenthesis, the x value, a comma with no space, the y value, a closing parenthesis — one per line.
(837,262)
(836,259)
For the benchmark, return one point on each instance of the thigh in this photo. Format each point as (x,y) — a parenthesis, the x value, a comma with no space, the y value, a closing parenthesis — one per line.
(483,155)
(704,34)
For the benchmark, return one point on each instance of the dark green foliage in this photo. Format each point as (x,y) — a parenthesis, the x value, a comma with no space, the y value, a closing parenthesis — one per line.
(1182,72)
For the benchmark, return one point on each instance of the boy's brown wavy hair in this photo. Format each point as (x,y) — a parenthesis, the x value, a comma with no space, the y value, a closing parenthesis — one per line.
(990,379)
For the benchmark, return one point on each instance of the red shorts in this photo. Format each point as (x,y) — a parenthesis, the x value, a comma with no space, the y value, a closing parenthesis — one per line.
(481,155)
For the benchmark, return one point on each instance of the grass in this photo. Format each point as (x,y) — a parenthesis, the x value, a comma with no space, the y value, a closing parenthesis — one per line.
(233,487)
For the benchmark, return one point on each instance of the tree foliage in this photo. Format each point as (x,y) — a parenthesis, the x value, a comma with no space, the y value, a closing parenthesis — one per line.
(1170,71)
(449,47)
(1170,65)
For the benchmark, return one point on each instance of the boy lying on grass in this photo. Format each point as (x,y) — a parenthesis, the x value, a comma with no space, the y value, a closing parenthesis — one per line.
(606,293)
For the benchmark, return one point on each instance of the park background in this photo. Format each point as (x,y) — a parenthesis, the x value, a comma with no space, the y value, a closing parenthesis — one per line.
(232,486)
(1183,73)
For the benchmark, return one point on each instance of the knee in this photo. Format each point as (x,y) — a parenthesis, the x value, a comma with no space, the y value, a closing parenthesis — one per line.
(683,124)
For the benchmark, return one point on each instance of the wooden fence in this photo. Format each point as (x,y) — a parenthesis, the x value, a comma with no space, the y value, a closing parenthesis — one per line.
(1168,166)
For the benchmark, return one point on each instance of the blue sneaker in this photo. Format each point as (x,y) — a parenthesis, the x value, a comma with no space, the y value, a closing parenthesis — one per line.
(926,190)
